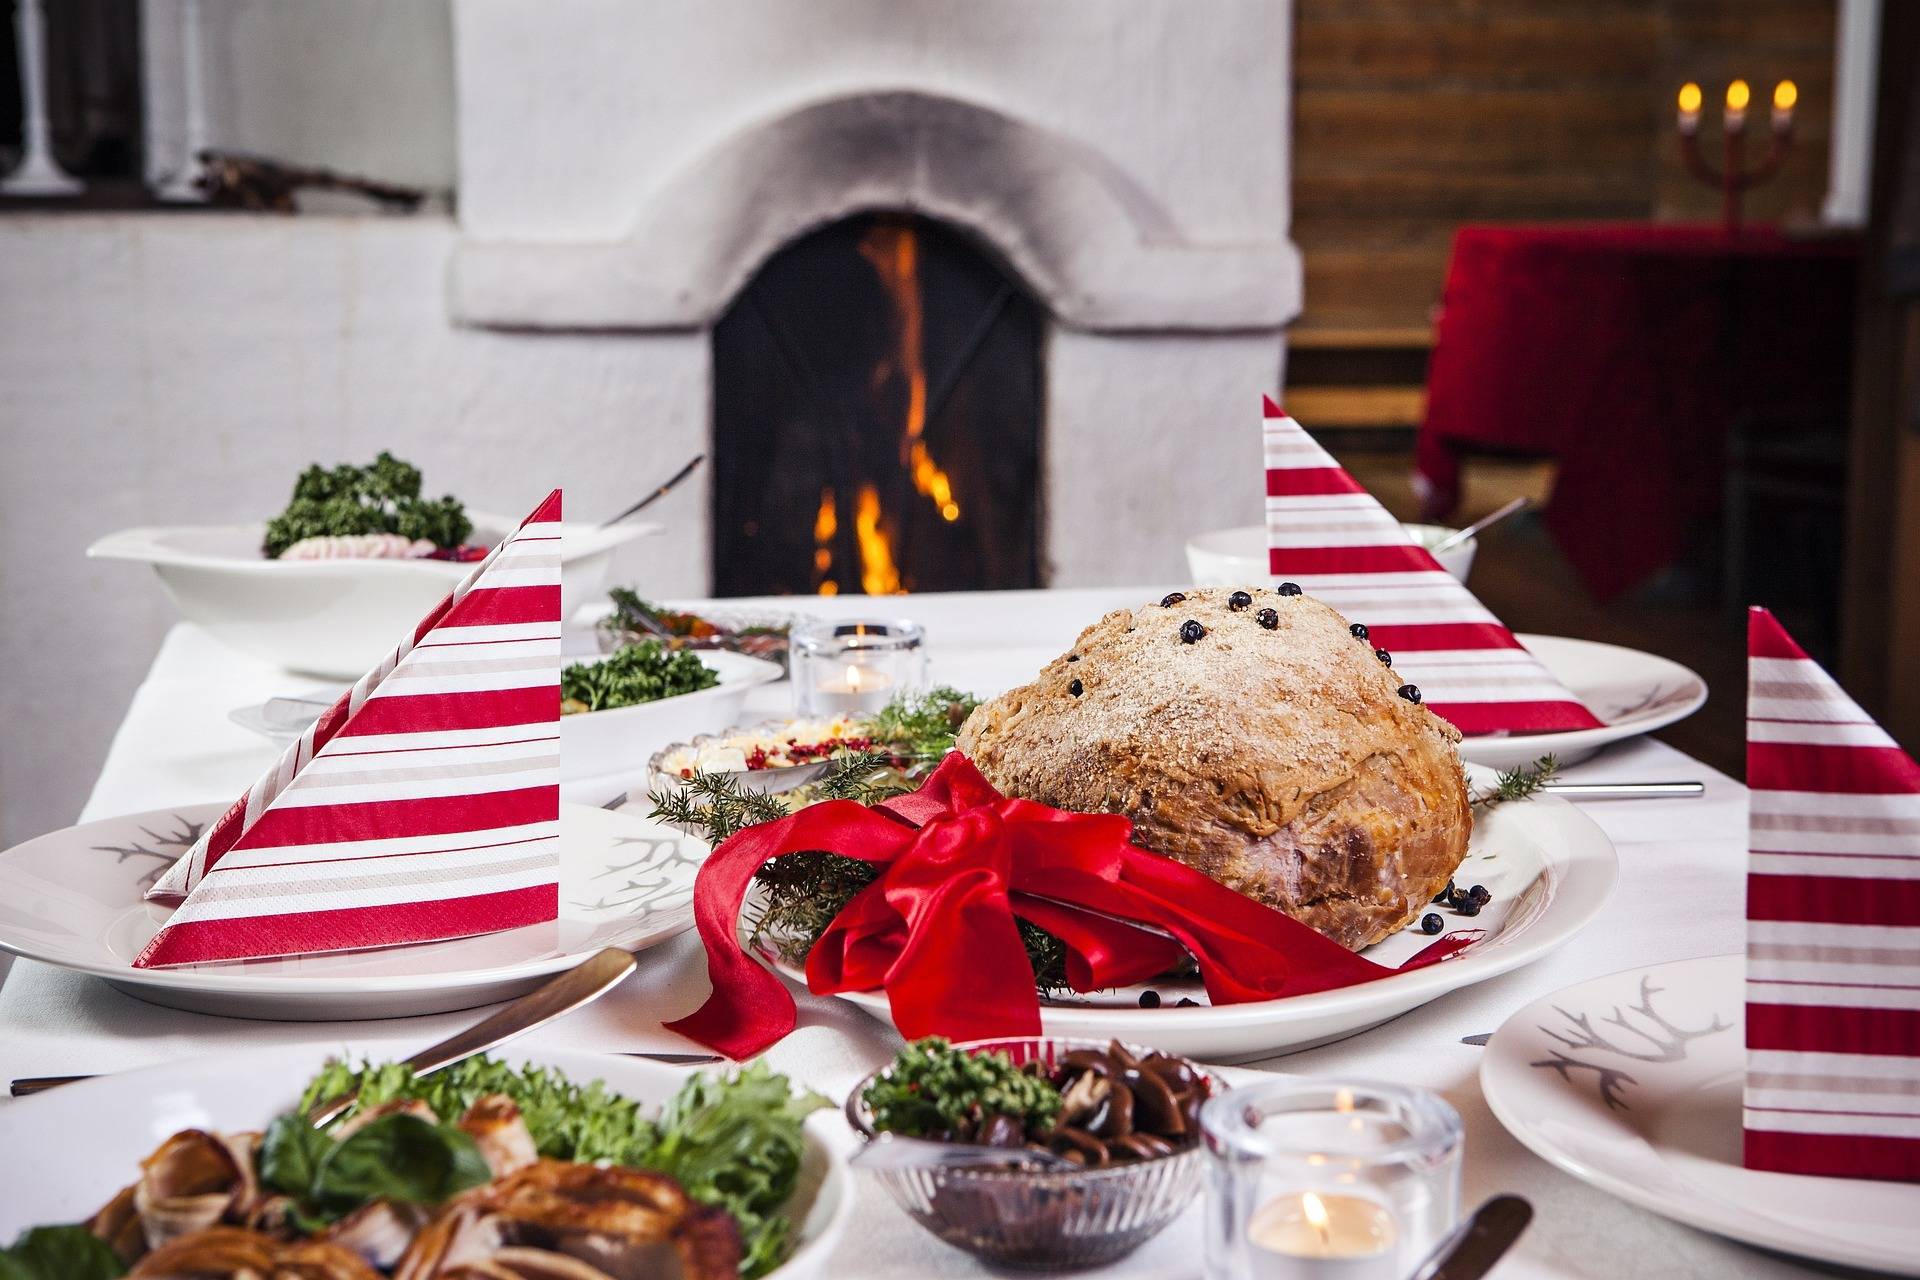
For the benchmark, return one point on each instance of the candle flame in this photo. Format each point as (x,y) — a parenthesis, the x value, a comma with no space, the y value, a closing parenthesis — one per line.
(853,678)
(1785,94)
(1690,97)
(1343,1099)
(1316,1213)
(1738,95)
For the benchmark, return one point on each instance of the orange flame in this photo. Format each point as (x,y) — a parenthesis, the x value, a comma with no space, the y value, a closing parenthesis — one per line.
(878,574)
(826,523)
(894,251)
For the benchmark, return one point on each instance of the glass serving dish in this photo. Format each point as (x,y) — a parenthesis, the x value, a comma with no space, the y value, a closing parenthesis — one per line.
(758,633)
(1040,1219)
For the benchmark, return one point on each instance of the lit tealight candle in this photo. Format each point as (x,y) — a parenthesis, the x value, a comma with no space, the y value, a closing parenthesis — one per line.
(1785,95)
(1308,1234)
(1689,107)
(855,691)
(1738,96)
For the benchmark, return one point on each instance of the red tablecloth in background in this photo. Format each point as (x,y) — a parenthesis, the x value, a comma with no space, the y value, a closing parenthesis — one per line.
(1624,351)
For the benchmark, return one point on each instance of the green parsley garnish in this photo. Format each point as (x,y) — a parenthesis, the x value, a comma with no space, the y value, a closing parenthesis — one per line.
(381,498)
(644,672)
(932,1086)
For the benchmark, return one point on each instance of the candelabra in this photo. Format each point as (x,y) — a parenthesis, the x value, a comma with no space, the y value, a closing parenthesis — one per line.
(1733,177)
(38,173)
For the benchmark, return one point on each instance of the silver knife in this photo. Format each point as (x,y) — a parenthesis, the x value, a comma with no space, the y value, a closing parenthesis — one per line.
(1481,1241)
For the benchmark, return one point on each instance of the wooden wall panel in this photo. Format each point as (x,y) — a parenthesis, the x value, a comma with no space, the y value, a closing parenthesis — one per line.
(1414,116)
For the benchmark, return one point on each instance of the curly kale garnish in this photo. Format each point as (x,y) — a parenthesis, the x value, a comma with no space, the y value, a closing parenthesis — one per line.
(644,672)
(381,498)
(933,1089)
(1519,784)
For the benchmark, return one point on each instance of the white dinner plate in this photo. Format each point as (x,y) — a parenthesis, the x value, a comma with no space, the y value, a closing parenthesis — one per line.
(1548,866)
(1631,692)
(69,1150)
(73,899)
(1632,1083)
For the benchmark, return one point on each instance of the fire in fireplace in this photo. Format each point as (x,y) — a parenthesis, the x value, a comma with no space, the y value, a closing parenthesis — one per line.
(876,392)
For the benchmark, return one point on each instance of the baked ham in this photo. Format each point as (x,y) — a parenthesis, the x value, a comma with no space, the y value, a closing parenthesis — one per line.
(1279,759)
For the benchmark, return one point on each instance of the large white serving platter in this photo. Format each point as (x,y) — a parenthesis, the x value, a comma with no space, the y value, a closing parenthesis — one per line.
(1549,867)
(1653,1115)
(74,899)
(69,1150)
(1632,693)
(332,617)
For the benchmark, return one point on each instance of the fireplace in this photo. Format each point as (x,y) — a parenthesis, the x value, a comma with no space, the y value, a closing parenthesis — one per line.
(876,417)
(1116,168)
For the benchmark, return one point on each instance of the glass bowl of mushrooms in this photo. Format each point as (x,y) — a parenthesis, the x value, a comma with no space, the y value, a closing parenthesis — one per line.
(1042,1153)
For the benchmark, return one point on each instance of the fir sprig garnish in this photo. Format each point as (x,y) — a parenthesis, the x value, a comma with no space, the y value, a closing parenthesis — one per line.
(922,726)
(1521,783)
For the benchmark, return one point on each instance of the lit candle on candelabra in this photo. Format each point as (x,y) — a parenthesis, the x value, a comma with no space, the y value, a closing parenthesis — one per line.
(1733,177)
(1738,96)
(1785,95)
(1690,98)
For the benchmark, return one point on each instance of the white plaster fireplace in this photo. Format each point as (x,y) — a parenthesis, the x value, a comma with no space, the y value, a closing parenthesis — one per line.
(626,168)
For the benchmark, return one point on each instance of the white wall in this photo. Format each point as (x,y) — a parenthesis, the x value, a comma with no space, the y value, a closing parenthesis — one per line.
(182,369)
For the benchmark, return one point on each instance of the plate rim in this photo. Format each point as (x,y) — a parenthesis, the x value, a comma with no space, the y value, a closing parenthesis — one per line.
(214,982)
(1606,734)
(838,1177)
(1421,985)
(1752,1230)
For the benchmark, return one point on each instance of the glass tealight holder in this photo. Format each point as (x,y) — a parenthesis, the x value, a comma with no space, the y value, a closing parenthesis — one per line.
(1328,1180)
(855,666)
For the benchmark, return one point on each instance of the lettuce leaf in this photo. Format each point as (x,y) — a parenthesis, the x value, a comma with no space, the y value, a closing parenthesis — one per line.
(59,1253)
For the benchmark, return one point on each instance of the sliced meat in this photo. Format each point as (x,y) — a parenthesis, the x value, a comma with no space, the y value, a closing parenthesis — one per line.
(234,1253)
(496,1125)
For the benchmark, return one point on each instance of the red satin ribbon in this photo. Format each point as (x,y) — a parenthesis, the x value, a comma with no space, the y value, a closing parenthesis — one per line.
(937,929)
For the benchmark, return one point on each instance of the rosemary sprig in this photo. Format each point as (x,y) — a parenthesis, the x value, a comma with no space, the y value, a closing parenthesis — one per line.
(1519,784)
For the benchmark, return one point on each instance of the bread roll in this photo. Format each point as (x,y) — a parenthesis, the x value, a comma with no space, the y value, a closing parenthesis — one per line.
(1270,750)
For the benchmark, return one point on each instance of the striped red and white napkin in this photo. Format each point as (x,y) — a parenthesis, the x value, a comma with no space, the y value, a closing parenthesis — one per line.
(1336,541)
(1833,926)
(424,805)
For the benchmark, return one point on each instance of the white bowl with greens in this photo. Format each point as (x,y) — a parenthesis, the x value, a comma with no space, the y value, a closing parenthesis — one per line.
(618,708)
(736,1143)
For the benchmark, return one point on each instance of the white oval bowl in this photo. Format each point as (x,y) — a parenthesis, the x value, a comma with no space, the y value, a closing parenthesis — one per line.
(332,617)
(621,741)
(69,1150)
(1238,557)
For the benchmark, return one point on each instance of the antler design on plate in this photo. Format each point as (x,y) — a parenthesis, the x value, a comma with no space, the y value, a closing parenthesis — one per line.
(1609,1080)
(180,840)
(1655,1039)
(1666,1042)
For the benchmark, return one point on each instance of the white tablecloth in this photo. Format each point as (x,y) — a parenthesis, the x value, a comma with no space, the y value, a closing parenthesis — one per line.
(1680,895)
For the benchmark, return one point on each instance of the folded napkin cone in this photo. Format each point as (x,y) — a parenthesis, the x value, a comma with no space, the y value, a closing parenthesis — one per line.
(1336,541)
(423,805)
(1833,926)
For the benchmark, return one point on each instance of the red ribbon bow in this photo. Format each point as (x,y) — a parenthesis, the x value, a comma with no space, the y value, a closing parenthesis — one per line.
(937,929)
